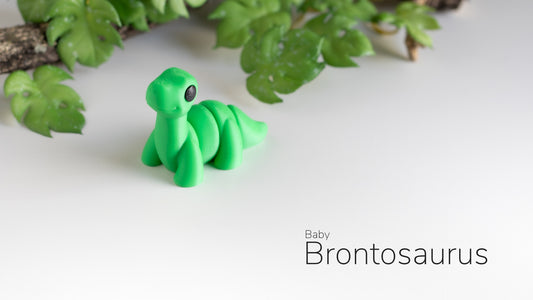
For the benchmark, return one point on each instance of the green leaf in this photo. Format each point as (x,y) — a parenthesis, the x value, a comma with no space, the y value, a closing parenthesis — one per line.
(43,104)
(280,61)
(131,12)
(412,8)
(177,7)
(419,35)
(288,4)
(159,5)
(155,16)
(84,31)
(384,17)
(242,18)
(316,5)
(416,19)
(423,21)
(417,15)
(362,10)
(341,42)
(34,11)
(195,3)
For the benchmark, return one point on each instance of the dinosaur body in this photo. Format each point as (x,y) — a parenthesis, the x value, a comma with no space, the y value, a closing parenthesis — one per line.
(187,135)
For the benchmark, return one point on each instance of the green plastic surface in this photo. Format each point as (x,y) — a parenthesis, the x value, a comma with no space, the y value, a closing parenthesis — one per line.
(187,135)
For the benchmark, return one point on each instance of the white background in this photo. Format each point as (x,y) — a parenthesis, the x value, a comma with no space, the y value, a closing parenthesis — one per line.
(437,154)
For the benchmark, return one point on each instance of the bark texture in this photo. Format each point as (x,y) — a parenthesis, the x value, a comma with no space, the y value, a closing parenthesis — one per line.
(437,4)
(444,4)
(24,47)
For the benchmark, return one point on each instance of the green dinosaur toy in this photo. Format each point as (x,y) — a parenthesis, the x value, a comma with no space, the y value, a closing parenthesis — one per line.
(186,136)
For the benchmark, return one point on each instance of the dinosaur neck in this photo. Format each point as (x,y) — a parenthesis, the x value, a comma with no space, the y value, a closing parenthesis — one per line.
(170,134)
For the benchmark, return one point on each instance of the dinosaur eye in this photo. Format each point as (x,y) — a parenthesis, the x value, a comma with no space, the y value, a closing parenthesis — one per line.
(190,93)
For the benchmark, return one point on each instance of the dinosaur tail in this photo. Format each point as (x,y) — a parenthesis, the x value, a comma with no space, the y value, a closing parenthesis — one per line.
(253,132)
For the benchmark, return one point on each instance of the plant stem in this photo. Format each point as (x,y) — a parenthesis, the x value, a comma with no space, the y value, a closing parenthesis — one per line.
(412,47)
(410,43)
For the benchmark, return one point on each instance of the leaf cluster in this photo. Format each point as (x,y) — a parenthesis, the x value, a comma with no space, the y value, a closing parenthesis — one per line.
(281,55)
(286,43)
(84,31)
(414,18)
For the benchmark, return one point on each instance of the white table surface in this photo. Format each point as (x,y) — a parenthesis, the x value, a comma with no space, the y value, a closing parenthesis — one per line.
(437,154)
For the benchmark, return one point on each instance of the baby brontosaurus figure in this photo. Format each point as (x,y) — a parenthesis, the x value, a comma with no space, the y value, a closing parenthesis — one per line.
(186,136)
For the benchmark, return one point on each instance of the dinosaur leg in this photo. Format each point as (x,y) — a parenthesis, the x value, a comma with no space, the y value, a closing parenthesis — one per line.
(190,170)
(229,154)
(149,155)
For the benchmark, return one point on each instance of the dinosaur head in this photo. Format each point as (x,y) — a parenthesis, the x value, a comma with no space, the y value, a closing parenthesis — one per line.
(172,93)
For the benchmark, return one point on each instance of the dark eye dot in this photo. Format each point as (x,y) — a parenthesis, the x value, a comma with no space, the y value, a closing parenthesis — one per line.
(190,93)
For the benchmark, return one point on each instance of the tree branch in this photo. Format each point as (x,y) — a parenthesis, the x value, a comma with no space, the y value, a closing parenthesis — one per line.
(437,4)
(24,47)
